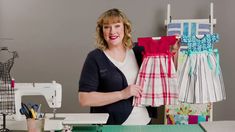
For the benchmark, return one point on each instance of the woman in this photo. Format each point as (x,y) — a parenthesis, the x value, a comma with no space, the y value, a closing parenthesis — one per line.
(107,82)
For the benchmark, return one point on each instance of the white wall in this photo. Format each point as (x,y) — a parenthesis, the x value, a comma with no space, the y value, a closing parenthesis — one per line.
(53,38)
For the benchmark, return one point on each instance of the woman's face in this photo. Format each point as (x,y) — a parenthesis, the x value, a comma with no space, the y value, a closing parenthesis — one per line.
(113,33)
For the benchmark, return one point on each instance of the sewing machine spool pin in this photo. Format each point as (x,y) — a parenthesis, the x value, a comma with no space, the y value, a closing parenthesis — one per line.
(54,116)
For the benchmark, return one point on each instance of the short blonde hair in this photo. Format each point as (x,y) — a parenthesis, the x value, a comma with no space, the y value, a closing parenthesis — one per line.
(113,16)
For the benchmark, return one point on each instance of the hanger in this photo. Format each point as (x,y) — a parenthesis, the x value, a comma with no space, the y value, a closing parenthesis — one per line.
(200,36)
(158,38)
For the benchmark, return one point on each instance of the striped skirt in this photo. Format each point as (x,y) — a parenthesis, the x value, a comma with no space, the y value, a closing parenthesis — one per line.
(158,86)
(200,79)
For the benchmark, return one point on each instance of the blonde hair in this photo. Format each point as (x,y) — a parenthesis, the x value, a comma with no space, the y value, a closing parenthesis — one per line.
(113,16)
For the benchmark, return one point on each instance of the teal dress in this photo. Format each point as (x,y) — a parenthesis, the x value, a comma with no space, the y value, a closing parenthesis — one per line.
(200,78)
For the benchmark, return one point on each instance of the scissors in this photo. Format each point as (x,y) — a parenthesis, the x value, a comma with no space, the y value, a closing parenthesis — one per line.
(24,110)
(34,106)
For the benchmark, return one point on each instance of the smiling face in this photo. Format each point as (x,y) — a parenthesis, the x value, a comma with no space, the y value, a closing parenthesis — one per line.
(113,34)
(113,29)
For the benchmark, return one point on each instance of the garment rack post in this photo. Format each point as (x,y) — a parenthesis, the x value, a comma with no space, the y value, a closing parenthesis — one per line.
(209,20)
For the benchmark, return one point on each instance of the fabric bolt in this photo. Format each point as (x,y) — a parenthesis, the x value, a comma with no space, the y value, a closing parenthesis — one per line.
(202,118)
(157,75)
(170,119)
(188,28)
(180,119)
(195,119)
(200,79)
(192,119)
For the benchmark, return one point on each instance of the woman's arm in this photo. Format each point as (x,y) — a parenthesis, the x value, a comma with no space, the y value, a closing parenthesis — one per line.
(101,98)
(98,98)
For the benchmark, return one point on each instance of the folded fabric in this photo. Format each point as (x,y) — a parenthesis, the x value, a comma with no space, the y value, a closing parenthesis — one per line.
(188,28)
(186,119)
(181,119)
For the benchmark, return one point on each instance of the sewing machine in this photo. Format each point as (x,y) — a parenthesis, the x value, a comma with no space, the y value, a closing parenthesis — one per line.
(51,91)
(53,95)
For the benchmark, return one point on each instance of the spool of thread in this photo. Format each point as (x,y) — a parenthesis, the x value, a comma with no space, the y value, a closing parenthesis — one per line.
(12,83)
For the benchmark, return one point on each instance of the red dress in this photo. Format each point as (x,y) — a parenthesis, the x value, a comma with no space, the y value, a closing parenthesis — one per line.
(157,75)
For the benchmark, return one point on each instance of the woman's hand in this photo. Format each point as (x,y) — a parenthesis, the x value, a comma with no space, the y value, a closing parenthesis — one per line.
(131,90)
(176,46)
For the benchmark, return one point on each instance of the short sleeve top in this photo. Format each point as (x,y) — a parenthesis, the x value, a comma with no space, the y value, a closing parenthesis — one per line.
(155,46)
(195,44)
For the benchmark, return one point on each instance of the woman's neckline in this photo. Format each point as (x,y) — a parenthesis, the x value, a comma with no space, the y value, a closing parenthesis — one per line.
(120,63)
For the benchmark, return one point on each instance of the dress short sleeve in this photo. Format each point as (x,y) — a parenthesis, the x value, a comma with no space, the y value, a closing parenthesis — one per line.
(215,38)
(184,39)
(169,40)
(89,79)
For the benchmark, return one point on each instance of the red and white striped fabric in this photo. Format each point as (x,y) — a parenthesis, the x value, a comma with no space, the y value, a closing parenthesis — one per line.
(157,75)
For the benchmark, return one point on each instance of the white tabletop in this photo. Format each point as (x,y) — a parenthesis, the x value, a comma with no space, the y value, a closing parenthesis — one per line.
(219,126)
(69,119)
(86,118)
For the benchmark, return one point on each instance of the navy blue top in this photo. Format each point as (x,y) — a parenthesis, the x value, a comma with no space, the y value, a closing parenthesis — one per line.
(101,75)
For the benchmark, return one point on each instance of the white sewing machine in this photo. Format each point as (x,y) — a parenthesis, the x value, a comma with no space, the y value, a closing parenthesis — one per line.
(51,91)
(53,95)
